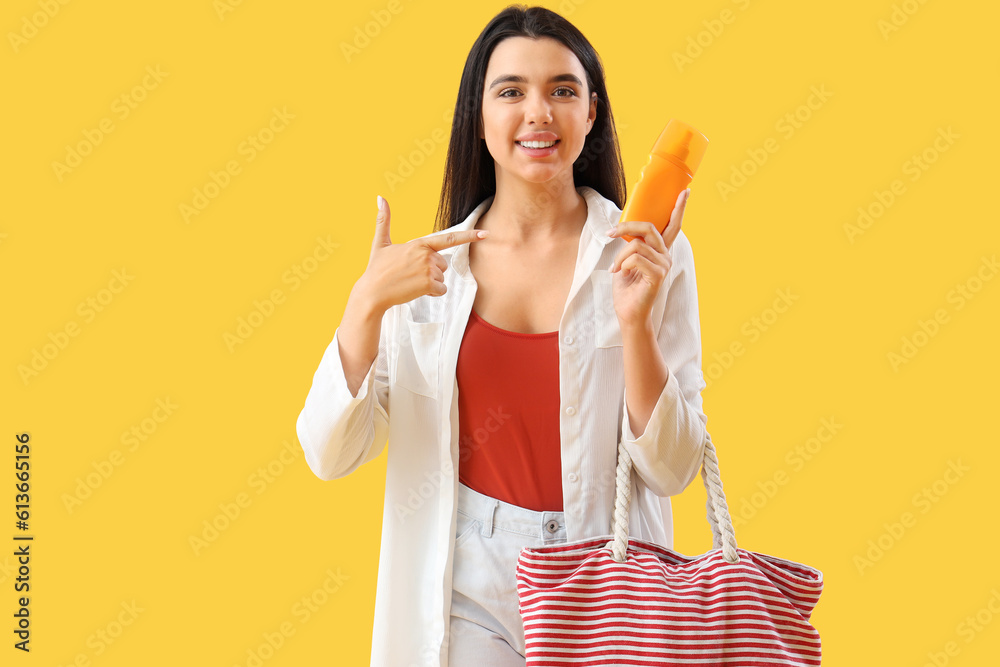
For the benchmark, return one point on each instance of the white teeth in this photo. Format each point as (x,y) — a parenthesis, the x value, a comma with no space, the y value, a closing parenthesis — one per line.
(537,144)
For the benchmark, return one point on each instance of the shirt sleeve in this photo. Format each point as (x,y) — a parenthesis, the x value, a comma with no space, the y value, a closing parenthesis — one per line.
(668,454)
(337,430)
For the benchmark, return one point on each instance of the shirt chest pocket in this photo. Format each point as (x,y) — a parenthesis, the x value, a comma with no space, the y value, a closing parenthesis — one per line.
(607,332)
(418,356)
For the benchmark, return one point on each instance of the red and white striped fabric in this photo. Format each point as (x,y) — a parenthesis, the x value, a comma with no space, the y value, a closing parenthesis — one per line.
(581,607)
(585,603)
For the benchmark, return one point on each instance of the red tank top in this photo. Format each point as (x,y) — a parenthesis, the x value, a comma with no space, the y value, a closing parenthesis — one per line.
(508,414)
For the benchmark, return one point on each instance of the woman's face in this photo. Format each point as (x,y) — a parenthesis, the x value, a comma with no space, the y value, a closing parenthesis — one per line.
(549,102)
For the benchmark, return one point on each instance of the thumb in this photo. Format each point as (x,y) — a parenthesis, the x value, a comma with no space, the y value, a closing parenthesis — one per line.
(381,224)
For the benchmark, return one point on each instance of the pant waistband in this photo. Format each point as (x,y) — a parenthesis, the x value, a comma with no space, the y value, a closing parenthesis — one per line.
(499,515)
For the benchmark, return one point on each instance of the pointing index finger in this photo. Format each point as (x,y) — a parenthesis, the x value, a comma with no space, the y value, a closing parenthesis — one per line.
(444,240)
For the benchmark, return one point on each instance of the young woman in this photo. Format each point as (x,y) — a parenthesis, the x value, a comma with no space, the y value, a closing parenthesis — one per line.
(501,358)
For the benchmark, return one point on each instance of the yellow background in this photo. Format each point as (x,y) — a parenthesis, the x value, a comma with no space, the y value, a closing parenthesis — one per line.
(162,334)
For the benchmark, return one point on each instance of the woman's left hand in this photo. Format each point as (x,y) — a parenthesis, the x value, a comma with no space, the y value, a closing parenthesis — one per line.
(643,265)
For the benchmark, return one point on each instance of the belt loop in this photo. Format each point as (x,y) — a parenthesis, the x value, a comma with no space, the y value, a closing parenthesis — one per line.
(488,520)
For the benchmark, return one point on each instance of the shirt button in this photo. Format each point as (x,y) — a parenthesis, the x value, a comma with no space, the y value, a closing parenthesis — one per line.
(572,477)
(568,340)
(571,411)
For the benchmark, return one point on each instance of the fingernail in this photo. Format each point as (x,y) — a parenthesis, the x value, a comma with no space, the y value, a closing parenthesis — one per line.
(379,201)
(483,233)
(611,232)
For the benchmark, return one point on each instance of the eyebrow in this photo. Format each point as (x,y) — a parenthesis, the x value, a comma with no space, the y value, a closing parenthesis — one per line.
(514,78)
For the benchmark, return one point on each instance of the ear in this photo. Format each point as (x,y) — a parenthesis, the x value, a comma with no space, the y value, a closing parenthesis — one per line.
(592,116)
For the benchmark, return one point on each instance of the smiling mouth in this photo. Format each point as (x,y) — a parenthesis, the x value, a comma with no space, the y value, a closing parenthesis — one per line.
(546,144)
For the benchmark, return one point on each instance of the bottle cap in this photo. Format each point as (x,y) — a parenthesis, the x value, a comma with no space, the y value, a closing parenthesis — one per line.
(682,141)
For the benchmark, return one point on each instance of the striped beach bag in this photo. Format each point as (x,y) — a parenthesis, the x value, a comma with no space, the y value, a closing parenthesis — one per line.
(628,602)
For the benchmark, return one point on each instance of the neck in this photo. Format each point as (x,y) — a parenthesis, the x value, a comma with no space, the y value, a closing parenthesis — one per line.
(525,213)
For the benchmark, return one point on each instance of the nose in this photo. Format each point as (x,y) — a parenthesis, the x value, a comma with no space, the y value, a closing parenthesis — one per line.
(538,110)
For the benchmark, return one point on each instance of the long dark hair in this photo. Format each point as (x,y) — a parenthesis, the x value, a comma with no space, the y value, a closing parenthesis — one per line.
(470,174)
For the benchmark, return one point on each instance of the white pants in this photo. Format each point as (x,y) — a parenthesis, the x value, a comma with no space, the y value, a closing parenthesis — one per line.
(486,626)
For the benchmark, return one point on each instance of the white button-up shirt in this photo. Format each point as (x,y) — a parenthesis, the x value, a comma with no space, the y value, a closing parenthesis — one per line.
(409,402)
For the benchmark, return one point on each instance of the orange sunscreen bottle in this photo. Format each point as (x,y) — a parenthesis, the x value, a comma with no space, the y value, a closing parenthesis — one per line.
(672,162)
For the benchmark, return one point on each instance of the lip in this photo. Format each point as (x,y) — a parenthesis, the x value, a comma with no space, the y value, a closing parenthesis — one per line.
(538,136)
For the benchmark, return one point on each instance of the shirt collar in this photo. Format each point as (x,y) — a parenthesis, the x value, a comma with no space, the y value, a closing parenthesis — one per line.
(602,215)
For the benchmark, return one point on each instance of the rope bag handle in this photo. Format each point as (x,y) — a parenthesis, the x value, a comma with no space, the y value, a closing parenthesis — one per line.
(723,534)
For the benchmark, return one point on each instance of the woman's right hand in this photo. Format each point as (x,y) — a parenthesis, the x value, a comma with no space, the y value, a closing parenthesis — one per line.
(401,272)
